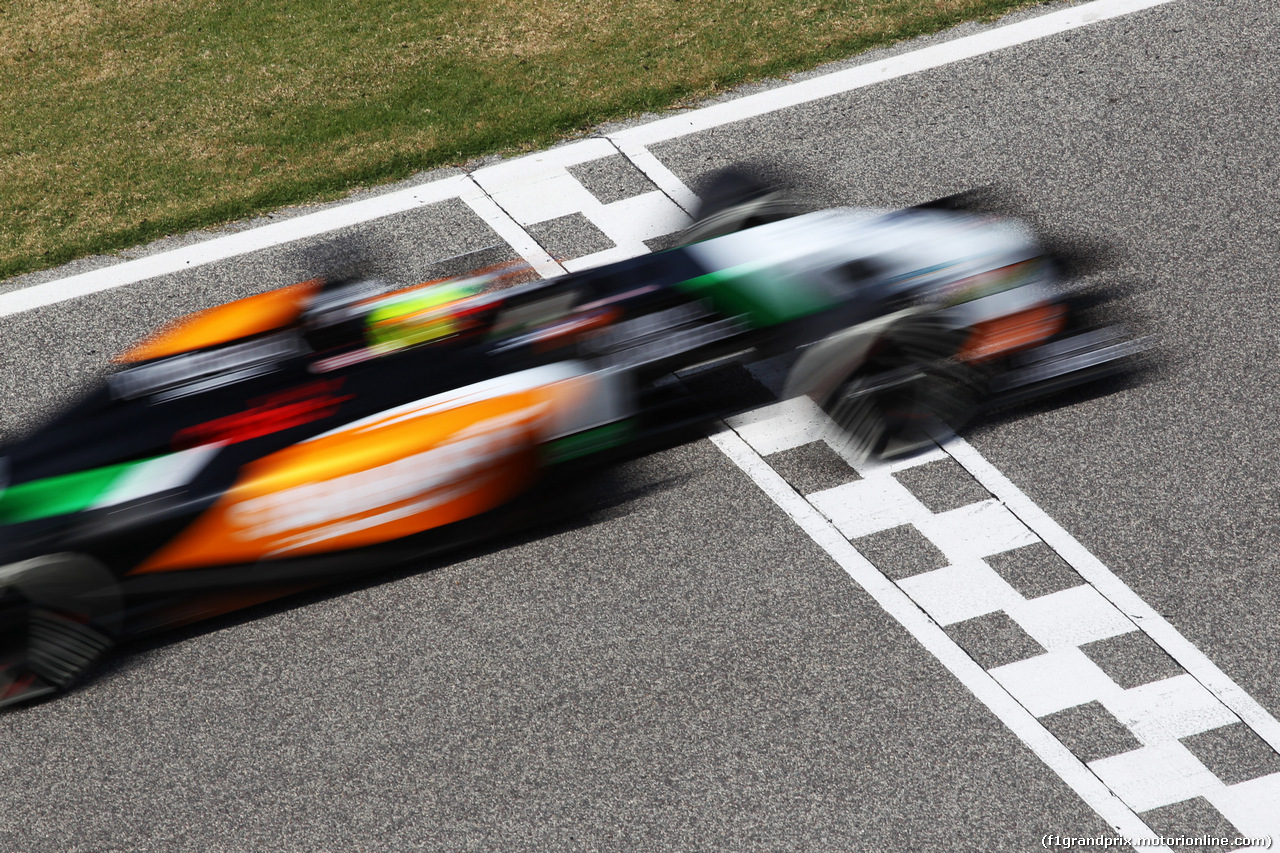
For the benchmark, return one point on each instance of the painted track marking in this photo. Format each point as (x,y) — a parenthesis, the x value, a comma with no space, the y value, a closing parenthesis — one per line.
(513,195)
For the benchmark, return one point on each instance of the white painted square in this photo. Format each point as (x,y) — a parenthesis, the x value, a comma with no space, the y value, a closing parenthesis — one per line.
(868,506)
(959,592)
(542,195)
(781,426)
(640,218)
(1155,776)
(1253,807)
(1070,617)
(1170,709)
(1055,681)
(597,259)
(976,531)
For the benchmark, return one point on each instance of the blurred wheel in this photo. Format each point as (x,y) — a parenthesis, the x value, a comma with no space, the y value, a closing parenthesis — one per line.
(734,201)
(59,614)
(909,389)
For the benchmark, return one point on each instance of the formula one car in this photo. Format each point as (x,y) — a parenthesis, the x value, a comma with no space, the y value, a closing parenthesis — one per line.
(302,435)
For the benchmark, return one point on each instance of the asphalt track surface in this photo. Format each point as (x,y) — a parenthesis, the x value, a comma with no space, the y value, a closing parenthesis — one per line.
(683,667)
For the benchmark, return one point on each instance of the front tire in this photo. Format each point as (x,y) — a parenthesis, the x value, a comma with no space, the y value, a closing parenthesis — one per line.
(909,390)
(59,615)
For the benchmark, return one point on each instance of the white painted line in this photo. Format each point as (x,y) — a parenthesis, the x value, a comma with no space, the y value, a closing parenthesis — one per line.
(536,189)
(551,162)
(1168,710)
(976,531)
(230,246)
(896,603)
(1054,681)
(1251,805)
(781,426)
(1118,593)
(628,224)
(533,190)
(794,94)
(869,506)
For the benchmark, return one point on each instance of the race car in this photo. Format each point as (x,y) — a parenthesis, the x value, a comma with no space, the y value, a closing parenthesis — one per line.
(307,434)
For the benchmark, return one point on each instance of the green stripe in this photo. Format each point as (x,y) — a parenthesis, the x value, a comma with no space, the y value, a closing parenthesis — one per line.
(59,495)
(764,295)
(588,442)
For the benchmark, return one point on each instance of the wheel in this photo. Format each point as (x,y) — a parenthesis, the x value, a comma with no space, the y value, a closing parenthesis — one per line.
(908,390)
(59,614)
(734,201)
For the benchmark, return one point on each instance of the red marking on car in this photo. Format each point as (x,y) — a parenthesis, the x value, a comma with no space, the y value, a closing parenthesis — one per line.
(619,297)
(1004,335)
(266,415)
(571,329)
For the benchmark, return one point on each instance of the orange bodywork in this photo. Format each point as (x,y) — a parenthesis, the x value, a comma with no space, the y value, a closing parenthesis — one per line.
(252,315)
(375,481)
(1017,331)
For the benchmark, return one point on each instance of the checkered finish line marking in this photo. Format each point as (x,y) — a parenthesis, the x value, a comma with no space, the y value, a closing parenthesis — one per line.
(940,541)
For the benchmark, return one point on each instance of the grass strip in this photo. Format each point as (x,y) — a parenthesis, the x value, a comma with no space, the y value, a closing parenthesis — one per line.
(126,120)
